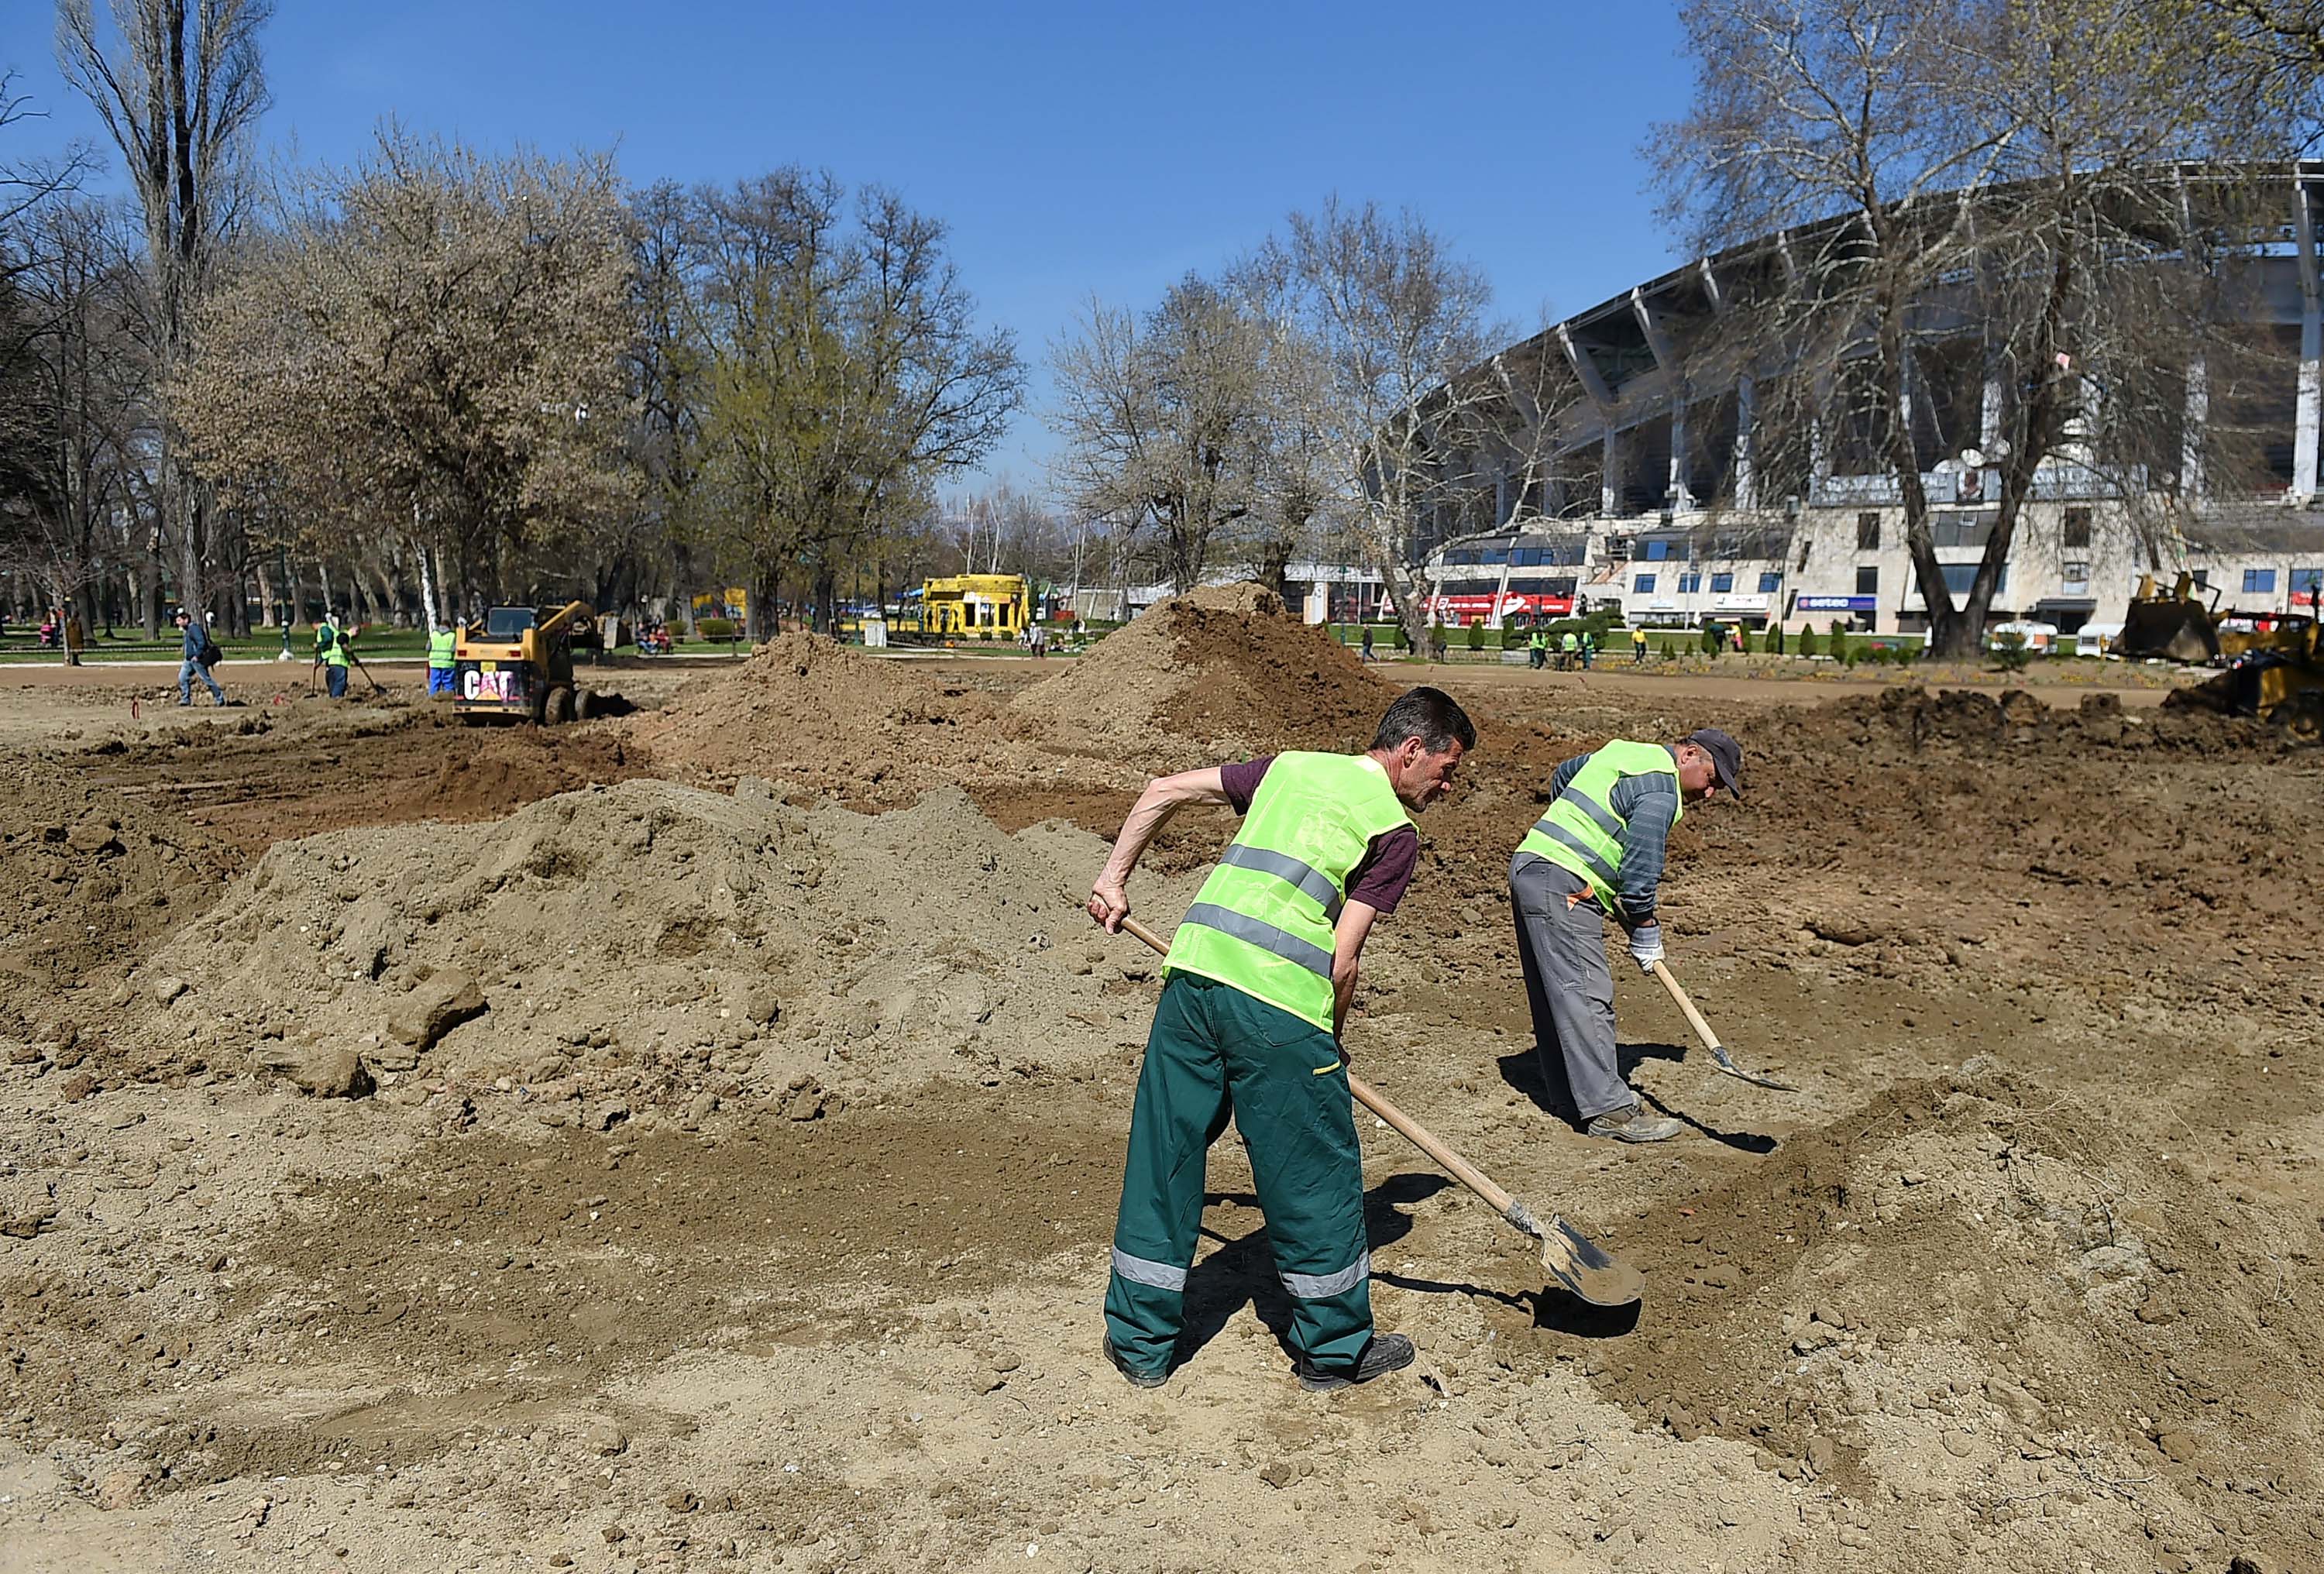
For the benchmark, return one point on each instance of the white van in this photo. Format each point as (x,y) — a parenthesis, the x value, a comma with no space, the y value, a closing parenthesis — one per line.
(2040,638)
(2096,638)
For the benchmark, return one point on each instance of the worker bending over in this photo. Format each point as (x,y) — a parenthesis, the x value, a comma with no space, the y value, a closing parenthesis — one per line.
(1597,853)
(1255,993)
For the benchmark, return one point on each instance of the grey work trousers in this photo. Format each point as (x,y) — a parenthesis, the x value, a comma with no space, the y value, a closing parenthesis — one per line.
(1569,986)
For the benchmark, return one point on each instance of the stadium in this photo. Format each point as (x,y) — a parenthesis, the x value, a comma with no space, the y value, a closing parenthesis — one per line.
(1651,490)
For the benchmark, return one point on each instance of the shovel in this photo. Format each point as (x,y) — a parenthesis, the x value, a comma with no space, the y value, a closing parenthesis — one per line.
(1710,1040)
(1581,1265)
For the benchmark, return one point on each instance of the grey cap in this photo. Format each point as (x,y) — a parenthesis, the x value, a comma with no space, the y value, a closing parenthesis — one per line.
(1726,757)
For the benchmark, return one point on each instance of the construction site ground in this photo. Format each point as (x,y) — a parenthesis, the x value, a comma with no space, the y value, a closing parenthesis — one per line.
(690,1140)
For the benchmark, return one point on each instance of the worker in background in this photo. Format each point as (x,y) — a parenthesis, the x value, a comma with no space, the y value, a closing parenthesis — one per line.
(1569,649)
(1589,648)
(1597,853)
(1537,648)
(443,645)
(1637,647)
(1254,997)
(197,653)
(331,655)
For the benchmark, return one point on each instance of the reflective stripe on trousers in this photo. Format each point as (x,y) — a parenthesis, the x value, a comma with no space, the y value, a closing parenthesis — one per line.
(1146,1271)
(1316,1286)
(1266,937)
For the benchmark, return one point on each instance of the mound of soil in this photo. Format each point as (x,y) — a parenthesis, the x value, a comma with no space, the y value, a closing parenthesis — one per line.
(1976,1275)
(1222,672)
(654,940)
(89,880)
(808,714)
(1969,718)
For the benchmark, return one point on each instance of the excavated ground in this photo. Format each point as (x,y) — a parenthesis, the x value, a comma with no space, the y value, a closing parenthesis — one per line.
(727,1176)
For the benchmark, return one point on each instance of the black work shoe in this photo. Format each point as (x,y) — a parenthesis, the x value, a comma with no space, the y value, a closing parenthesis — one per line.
(1136,1378)
(1387,1352)
(1631,1123)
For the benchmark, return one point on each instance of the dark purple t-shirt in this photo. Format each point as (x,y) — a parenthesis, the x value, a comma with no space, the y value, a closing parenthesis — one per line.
(1379,877)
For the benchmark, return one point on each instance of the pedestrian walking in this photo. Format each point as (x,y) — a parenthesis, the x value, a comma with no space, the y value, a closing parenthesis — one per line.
(1368,655)
(197,653)
(443,661)
(1637,647)
(1596,854)
(1254,997)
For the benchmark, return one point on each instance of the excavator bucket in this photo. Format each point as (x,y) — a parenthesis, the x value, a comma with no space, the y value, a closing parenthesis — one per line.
(2170,624)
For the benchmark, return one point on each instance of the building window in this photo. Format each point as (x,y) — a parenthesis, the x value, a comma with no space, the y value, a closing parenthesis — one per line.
(1770,583)
(1658,551)
(2305,584)
(1867,532)
(1688,583)
(1958,576)
(2077,527)
(1803,556)
(2203,579)
(1720,583)
(1867,578)
(1644,584)
(2259,581)
(2077,577)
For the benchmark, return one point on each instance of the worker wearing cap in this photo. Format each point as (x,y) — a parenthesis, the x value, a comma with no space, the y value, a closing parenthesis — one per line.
(442,661)
(1597,853)
(1254,994)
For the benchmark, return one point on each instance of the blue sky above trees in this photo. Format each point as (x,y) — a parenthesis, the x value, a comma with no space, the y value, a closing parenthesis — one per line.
(1073,150)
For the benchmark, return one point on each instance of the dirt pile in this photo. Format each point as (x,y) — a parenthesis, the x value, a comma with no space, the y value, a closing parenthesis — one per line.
(1919,718)
(90,881)
(1225,671)
(818,719)
(656,942)
(1983,1287)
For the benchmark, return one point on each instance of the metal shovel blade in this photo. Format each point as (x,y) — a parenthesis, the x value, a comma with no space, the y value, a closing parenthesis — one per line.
(1586,1270)
(1727,1063)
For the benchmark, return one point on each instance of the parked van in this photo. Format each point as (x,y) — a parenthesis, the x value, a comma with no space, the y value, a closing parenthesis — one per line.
(2040,638)
(2096,638)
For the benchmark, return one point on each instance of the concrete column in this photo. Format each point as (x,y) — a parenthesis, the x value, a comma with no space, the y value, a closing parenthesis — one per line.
(1747,418)
(1610,475)
(2193,426)
(1680,496)
(2309,417)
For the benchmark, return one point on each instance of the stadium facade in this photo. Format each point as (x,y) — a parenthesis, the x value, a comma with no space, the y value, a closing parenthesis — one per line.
(1653,499)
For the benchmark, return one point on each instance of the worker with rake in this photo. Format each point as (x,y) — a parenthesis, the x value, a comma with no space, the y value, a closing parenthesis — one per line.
(1597,853)
(1255,992)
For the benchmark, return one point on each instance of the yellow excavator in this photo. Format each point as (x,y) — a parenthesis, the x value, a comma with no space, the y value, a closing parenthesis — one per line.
(2275,665)
(517,666)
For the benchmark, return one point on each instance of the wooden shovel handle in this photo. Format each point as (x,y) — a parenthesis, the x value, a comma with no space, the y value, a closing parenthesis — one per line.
(1695,1018)
(1411,1130)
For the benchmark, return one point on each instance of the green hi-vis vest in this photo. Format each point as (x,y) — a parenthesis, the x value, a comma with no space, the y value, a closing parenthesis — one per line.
(330,646)
(1569,642)
(440,649)
(1539,642)
(1263,921)
(1581,832)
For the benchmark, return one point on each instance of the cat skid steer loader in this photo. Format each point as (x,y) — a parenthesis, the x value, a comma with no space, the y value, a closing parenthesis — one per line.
(517,666)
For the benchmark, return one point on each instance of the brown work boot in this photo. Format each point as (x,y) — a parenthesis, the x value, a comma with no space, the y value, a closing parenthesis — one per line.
(1631,1123)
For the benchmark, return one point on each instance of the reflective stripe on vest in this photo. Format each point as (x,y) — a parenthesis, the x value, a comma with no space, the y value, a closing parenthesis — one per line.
(1263,922)
(1580,831)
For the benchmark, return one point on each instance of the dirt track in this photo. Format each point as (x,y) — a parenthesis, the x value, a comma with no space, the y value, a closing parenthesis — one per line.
(755,1212)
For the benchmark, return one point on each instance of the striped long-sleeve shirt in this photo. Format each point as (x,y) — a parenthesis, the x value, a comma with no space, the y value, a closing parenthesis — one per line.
(1646,805)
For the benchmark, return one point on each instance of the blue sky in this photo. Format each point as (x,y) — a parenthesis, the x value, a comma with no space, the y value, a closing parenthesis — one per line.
(1073,150)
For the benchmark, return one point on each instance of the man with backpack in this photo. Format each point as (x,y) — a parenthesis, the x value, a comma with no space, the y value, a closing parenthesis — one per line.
(198,653)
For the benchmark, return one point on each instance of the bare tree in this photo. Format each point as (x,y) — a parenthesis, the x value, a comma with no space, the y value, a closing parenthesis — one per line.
(1424,420)
(179,86)
(1166,422)
(1922,168)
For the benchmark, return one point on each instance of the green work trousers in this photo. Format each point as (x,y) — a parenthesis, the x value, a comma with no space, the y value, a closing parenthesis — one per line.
(1214,1052)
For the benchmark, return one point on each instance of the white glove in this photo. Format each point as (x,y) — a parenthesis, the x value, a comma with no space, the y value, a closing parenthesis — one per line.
(1646,946)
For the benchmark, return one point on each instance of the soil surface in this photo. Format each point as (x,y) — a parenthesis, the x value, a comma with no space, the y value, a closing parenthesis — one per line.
(691,1140)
